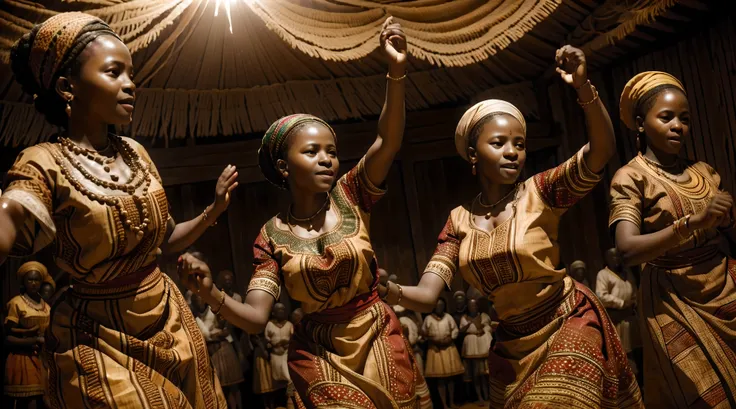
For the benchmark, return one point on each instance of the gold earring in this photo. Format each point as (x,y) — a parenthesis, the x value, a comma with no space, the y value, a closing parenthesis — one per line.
(641,129)
(69,107)
(474,172)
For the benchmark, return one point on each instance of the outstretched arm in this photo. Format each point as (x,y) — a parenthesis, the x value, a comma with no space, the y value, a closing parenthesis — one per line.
(381,154)
(250,316)
(572,68)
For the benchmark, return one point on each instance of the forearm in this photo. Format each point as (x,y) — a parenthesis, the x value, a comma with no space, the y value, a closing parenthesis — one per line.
(423,296)
(19,342)
(639,249)
(185,234)
(393,115)
(251,316)
(600,129)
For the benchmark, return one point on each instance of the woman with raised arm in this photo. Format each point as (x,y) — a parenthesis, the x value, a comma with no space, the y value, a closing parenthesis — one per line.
(673,216)
(122,336)
(555,346)
(348,351)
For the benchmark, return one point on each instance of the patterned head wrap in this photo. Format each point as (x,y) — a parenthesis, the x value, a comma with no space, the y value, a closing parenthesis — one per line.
(637,87)
(475,114)
(273,142)
(54,39)
(34,266)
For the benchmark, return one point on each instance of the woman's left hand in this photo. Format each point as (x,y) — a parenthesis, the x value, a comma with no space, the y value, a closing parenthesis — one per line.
(571,66)
(226,183)
(195,275)
(393,44)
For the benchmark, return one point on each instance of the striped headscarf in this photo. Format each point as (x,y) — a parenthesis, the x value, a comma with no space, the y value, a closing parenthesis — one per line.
(637,88)
(273,142)
(56,39)
(34,266)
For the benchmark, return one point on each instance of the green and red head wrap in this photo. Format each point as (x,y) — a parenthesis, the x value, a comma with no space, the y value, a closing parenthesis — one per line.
(274,141)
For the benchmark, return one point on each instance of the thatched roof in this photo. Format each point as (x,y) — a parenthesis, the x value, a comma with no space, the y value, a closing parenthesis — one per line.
(197,79)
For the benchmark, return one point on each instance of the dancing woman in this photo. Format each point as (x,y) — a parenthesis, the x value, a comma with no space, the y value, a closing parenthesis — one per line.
(673,216)
(122,336)
(348,351)
(555,346)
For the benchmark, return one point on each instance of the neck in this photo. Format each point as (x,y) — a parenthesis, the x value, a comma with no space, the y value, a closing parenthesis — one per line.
(35,296)
(307,204)
(662,158)
(87,134)
(493,192)
(473,314)
(616,269)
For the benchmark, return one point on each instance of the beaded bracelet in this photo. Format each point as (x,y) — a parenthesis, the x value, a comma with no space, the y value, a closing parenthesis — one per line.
(388,76)
(595,97)
(205,215)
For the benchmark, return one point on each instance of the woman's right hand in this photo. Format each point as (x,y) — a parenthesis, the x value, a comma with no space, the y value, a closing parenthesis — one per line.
(713,216)
(195,275)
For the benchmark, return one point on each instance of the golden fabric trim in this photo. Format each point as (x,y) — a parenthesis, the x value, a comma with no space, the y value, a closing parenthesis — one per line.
(265,284)
(442,267)
(625,212)
(23,391)
(41,214)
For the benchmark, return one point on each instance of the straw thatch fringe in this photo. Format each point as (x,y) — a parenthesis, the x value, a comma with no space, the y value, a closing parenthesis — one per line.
(456,40)
(630,16)
(178,114)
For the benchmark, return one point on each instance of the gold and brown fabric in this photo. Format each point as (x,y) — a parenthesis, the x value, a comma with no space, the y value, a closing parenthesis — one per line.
(555,345)
(687,297)
(122,336)
(349,350)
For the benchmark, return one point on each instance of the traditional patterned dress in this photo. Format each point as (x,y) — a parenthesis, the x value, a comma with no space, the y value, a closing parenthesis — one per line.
(687,297)
(122,336)
(443,360)
(275,334)
(25,375)
(349,348)
(476,344)
(614,291)
(555,346)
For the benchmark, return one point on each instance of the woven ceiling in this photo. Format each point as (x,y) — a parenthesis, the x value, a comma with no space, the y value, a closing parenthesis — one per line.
(197,79)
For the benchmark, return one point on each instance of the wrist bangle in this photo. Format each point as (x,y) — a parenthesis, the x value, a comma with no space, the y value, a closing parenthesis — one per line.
(206,215)
(595,97)
(219,304)
(587,82)
(388,76)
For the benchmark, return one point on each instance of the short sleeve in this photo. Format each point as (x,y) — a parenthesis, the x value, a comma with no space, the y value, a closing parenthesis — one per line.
(13,312)
(565,185)
(31,182)
(627,189)
(361,191)
(444,261)
(266,269)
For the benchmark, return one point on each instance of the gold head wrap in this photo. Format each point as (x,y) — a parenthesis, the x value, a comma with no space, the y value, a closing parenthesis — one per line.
(578,264)
(475,114)
(637,87)
(34,266)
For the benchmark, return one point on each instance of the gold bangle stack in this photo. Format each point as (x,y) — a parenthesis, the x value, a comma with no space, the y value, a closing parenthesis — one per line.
(394,293)
(220,304)
(595,95)
(681,228)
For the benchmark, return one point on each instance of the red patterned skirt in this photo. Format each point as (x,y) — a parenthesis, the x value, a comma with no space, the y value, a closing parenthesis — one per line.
(570,357)
(352,356)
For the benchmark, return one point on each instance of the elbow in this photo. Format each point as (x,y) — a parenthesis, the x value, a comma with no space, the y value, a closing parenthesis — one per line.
(628,255)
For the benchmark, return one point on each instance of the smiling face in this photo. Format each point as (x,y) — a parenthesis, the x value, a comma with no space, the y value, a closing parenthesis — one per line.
(499,152)
(102,83)
(667,122)
(310,161)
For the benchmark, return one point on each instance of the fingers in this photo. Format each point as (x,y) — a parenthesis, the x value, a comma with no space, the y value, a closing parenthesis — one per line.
(231,179)
(232,187)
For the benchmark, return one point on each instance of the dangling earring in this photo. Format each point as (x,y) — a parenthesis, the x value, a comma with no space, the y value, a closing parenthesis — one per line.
(474,169)
(69,107)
